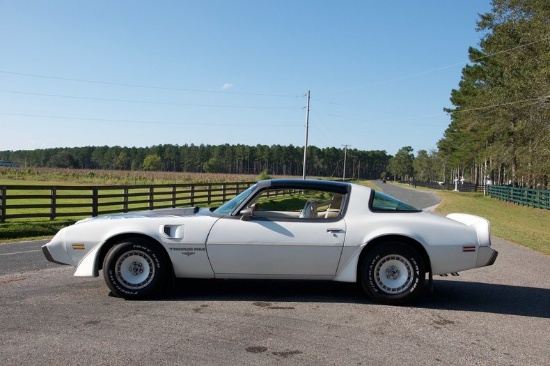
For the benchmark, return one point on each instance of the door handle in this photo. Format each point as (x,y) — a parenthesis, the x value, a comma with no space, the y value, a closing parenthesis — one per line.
(334,230)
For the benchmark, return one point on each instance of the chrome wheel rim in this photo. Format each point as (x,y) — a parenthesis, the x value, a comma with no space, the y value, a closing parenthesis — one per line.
(135,269)
(394,274)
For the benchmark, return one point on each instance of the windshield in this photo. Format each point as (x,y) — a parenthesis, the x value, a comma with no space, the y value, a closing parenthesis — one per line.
(383,202)
(230,206)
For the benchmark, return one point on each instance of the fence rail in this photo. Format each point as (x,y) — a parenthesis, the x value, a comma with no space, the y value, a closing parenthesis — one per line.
(26,201)
(461,187)
(537,198)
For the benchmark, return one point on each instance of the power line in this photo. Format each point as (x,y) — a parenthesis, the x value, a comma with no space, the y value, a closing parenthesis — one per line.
(530,100)
(144,86)
(385,120)
(512,48)
(141,101)
(542,99)
(148,122)
(440,68)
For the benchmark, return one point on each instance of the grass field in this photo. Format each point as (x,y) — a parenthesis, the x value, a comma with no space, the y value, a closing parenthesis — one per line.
(522,225)
(519,224)
(53,176)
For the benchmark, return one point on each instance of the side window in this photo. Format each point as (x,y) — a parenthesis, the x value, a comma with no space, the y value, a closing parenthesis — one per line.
(381,202)
(297,204)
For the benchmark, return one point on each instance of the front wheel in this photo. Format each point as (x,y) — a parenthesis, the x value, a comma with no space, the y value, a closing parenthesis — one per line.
(393,273)
(135,268)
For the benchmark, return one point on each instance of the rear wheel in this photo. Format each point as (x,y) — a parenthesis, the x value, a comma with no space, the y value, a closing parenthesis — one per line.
(135,268)
(393,273)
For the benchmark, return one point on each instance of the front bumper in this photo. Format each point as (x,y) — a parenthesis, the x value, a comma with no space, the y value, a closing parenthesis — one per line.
(49,255)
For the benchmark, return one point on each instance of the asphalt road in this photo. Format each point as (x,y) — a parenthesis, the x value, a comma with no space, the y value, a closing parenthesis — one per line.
(498,315)
(416,198)
(23,257)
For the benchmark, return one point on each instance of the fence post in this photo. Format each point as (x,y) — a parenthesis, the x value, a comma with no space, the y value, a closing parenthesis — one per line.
(174,196)
(192,198)
(95,202)
(151,197)
(125,203)
(3,195)
(53,199)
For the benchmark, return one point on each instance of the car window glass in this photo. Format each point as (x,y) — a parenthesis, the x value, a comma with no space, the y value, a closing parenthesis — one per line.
(228,207)
(297,204)
(383,202)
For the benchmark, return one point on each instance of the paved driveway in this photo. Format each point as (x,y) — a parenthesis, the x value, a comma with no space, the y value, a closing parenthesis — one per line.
(416,198)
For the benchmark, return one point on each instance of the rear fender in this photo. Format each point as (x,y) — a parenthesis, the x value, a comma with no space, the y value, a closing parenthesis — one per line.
(480,224)
(350,269)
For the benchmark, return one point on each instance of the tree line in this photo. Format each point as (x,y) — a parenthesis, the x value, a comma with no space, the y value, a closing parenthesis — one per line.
(227,159)
(500,122)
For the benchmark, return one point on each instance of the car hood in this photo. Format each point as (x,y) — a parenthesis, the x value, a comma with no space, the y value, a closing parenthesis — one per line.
(184,211)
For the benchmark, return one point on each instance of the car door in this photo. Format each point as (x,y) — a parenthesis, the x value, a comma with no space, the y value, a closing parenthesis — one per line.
(276,247)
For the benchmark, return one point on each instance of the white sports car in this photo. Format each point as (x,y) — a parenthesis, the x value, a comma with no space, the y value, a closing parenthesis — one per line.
(279,229)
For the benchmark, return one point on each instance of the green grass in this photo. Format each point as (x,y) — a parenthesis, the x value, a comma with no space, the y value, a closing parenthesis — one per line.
(519,224)
(18,230)
(369,184)
(53,176)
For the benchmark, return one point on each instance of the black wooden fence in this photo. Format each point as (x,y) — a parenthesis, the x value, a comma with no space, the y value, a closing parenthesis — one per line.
(459,186)
(31,201)
(537,198)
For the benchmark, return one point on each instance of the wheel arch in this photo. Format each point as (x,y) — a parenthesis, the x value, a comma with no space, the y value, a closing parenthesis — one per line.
(376,242)
(111,242)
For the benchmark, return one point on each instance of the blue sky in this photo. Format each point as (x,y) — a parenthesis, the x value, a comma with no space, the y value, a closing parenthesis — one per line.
(143,73)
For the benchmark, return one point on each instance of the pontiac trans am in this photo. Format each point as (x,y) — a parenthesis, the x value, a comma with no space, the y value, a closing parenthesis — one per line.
(279,229)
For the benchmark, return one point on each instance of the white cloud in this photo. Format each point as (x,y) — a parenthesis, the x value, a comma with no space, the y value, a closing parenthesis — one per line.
(227,86)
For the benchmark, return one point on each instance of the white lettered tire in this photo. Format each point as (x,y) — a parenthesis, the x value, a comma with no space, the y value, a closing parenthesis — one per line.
(135,268)
(393,273)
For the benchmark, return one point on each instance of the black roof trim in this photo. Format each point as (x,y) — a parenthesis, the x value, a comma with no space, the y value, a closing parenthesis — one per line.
(333,186)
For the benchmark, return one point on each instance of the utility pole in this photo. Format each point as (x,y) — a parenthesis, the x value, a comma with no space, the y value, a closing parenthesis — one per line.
(307,131)
(345,156)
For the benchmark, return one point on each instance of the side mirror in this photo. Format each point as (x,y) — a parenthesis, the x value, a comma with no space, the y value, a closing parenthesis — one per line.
(246,214)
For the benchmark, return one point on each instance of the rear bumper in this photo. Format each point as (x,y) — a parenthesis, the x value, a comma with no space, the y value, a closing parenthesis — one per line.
(486,256)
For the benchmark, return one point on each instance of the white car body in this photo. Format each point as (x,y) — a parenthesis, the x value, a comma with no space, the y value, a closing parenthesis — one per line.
(248,243)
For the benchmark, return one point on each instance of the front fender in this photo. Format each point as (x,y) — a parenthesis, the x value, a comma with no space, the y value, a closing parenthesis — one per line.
(88,266)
